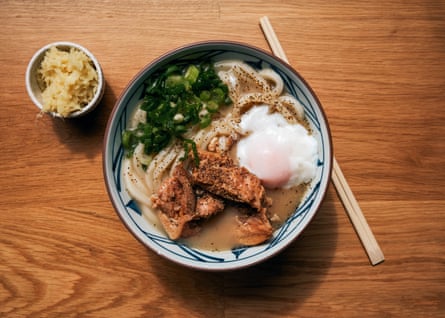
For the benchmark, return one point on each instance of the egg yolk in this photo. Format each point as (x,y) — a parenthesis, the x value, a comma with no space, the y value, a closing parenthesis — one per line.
(280,154)
(268,159)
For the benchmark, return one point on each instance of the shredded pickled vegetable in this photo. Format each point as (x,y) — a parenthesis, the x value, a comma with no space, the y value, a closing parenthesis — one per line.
(68,80)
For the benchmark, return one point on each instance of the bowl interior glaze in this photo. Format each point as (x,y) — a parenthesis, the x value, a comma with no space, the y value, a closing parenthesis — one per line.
(154,238)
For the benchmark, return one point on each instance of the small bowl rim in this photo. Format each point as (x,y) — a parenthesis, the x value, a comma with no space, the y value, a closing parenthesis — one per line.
(38,57)
(152,64)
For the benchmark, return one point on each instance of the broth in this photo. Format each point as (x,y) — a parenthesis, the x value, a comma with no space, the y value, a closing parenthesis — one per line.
(143,175)
(217,233)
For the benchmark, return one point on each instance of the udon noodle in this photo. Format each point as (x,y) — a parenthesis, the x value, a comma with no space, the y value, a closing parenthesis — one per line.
(248,87)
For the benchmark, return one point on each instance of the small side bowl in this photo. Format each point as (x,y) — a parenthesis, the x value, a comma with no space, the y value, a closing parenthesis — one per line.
(154,238)
(35,93)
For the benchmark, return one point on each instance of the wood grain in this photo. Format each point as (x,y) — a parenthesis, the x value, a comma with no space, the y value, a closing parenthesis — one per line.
(377,69)
(345,194)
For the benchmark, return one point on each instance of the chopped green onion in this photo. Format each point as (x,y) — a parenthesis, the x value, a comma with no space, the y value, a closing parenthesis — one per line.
(205,121)
(177,98)
(192,74)
(218,95)
(204,95)
(187,144)
(127,137)
(212,106)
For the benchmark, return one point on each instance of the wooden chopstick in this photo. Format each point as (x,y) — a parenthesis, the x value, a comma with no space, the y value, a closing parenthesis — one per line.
(351,205)
(356,215)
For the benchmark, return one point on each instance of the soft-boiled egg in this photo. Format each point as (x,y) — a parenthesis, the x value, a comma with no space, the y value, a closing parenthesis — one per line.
(280,154)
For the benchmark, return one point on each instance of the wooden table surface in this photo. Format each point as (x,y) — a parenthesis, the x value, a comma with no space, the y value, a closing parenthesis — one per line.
(379,72)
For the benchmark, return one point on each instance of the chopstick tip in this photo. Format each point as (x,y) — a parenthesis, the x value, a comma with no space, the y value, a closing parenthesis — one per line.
(376,257)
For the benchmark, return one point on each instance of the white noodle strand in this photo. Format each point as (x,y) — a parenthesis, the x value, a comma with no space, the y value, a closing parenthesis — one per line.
(247,88)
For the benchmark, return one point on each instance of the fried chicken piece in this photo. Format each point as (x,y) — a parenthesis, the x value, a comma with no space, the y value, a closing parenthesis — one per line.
(253,230)
(252,227)
(218,174)
(180,211)
(206,206)
(176,202)
(186,200)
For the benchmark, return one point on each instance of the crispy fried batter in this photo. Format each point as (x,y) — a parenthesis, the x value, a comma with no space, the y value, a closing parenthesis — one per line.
(218,174)
(180,211)
(186,200)
(252,228)
(176,202)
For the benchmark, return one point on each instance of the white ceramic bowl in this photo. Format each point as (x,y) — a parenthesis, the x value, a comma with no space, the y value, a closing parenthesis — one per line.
(35,93)
(155,239)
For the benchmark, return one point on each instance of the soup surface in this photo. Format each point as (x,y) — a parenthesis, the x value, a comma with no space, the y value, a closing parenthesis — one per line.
(279,134)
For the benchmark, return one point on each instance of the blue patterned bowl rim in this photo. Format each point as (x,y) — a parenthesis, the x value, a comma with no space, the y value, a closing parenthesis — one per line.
(177,252)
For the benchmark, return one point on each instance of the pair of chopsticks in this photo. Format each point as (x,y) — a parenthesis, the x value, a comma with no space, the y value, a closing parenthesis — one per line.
(351,205)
